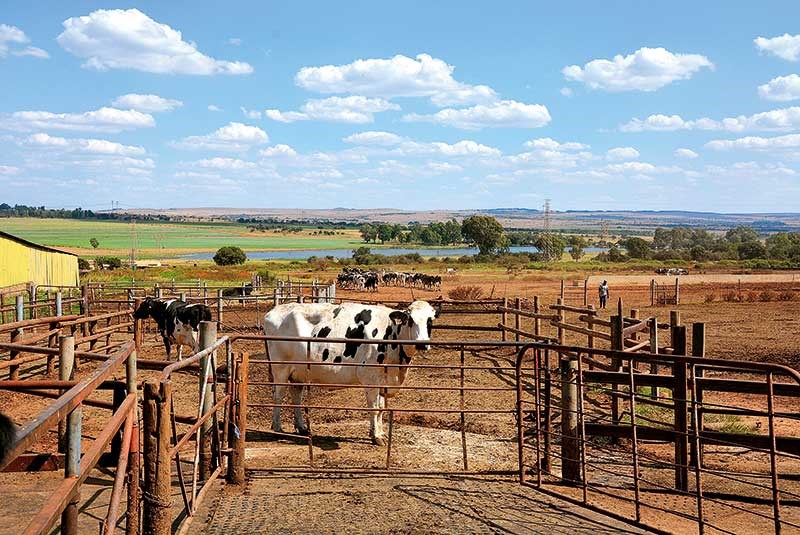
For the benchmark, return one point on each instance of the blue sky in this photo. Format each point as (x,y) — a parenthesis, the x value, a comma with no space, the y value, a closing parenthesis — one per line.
(414,105)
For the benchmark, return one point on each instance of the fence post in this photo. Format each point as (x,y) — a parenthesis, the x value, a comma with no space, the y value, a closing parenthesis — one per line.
(157,499)
(617,344)
(239,424)
(570,441)
(698,350)
(72,461)
(207,338)
(503,319)
(13,371)
(652,292)
(66,367)
(20,302)
(134,493)
(205,293)
(137,328)
(219,308)
(654,350)
(585,292)
(32,300)
(680,391)
(560,311)
(537,323)
(518,307)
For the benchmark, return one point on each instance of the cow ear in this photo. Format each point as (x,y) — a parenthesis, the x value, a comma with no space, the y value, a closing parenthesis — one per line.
(398,317)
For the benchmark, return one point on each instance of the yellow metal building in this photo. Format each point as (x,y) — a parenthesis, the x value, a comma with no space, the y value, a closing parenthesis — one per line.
(23,262)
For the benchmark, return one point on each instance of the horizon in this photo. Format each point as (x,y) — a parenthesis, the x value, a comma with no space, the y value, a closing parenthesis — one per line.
(625,108)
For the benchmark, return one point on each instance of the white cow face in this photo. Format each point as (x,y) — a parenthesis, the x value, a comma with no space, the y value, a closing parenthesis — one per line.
(420,324)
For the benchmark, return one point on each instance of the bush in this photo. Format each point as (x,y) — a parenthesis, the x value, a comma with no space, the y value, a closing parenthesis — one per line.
(83,264)
(465,293)
(229,256)
(710,298)
(107,262)
(766,295)
(786,296)
(752,296)
(730,297)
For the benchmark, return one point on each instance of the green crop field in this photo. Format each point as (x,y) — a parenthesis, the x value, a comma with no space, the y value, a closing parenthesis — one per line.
(156,239)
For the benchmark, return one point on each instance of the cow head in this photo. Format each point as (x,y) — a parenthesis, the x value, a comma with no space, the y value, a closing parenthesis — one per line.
(144,310)
(416,323)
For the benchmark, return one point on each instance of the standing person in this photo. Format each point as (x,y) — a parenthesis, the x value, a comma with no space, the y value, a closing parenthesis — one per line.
(603,293)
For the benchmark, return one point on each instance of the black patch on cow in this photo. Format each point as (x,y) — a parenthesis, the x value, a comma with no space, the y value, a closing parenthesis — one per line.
(336,311)
(325,331)
(404,359)
(337,359)
(375,332)
(381,356)
(350,348)
(365,316)
(381,347)
(324,355)
(430,326)
(167,313)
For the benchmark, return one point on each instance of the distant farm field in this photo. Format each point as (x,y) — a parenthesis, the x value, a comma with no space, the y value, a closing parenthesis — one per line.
(167,239)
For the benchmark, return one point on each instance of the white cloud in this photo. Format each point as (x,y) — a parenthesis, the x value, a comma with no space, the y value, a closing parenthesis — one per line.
(781,89)
(101,120)
(8,170)
(621,153)
(444,167)
(12,34)
(639,168)
(647,69)
(461,148)
(231,137)
(211,107)
(783,119)
(235,41)
(353,109)
(791,141)
(146,103)
(250,114)
(546,143)
(501,114)
(687,154)
(129,39)
(784,46)
(566,92)
(227,164)
(399,76)
(92,146)
(373,138)
(278,151)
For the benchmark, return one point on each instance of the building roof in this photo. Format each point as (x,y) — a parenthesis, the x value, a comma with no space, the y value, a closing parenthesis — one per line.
(31,244)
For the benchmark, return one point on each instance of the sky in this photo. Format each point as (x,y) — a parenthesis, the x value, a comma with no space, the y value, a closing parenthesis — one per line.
(412,105)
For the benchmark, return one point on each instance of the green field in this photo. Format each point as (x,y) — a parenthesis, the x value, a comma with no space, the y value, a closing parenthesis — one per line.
(165,239)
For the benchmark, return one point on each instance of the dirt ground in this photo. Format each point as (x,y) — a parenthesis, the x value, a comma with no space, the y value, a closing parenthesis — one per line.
(762,331)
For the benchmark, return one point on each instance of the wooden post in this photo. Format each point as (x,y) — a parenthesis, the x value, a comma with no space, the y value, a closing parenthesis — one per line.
(617,344)
(32,301)
(183,296)
(207,338)
(239,423)
(66,371)
(698,350)
(677,292)
(585,292)
(72,460)
(652,292)
(219,309)
(560,312)
(680,395)
(537,323)
(157,466)
(20,304)
(503,319)
(205,293)
(570,440)
(654,350)
(517,306)
(134,491)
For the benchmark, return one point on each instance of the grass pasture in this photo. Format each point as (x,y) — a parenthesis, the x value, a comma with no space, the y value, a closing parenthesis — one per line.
(159,239)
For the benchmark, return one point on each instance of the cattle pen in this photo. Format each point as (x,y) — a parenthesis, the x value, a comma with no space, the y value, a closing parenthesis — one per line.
(625,415)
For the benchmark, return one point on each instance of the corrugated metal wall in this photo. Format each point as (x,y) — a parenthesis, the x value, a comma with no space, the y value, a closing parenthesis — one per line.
(20,264)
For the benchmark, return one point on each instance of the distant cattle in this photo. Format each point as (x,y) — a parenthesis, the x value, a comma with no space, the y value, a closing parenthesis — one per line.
(345,363)
(177,321)
(672,271)
(364,280)
(238,291)
(7,434)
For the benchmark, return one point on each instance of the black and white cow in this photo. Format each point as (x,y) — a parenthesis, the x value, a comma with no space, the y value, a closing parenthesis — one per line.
(7,433)
(347,320)
(177,321)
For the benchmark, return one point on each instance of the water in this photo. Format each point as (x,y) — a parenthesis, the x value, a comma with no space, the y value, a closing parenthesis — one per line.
(302,254)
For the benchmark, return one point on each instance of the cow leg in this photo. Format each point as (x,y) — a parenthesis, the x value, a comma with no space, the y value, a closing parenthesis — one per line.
(278,393)
(376,420)
(167,346)
(180,351)
(296,393)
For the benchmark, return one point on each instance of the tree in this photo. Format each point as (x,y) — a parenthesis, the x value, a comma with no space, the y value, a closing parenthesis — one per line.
(94,243)
(741,234)
(369,232)
(362,255)
(107,262)
(577,244)
(83,264)
(750,250)
(385,232)
(486,233)
(550,246)
(637,247)
(229,256)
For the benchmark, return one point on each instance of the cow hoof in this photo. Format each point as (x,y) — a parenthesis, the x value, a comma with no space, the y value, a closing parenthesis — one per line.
(303,431)
(379,441)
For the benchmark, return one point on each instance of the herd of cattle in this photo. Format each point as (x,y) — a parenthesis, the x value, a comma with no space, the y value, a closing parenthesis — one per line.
(672,271)
(367,280)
